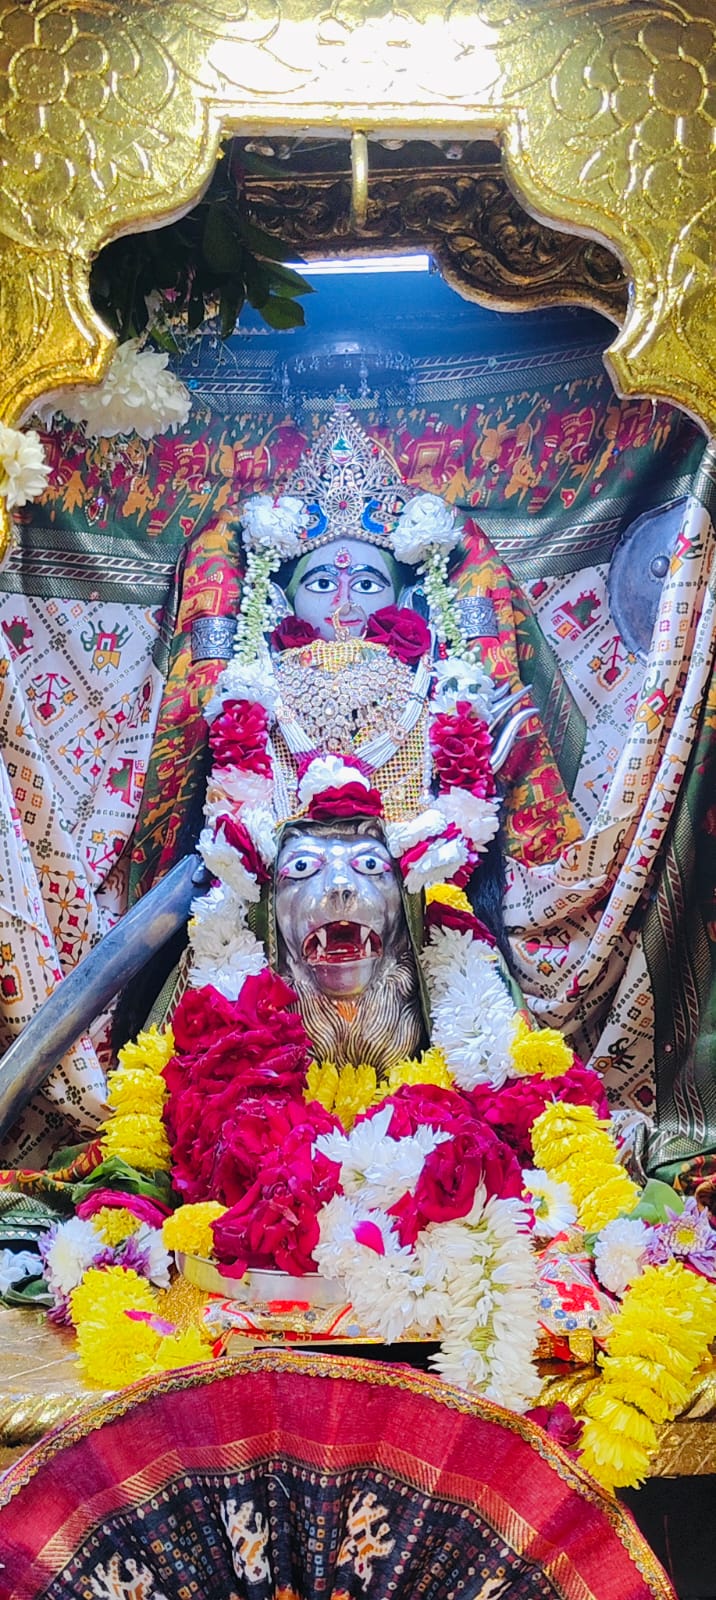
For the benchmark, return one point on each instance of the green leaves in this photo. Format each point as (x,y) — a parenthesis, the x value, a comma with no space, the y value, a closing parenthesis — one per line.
(210,262)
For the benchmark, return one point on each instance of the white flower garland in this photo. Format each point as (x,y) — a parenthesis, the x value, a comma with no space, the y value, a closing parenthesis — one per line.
(473,1014)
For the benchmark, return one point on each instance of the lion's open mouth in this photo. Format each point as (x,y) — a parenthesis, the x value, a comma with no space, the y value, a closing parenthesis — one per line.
(341,941)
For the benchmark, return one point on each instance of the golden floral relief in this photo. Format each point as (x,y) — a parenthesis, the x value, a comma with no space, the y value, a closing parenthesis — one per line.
(111,115)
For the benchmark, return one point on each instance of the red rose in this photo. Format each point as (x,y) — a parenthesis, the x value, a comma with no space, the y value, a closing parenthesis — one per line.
(239,838)
(348,800)
(559,1422)
(263,997)
(446,1187)
(462,746)
(438,914)
(238,738)
(200,1016)
(291,633)
(401,630)
(275,1224)
(261,1048)
(264,1127)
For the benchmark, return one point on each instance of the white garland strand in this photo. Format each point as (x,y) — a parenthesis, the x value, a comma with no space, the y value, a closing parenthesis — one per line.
(473,1014)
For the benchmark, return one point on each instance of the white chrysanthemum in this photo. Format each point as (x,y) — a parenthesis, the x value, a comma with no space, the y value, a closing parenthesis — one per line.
(328,772)
(551,1201)
(456,679)
(439,862)
(386,1289)
(137,395)
(425,523)
(245,680)
(477,819)
(225,952)
(473,1014)
(70,1252)
(259,824)
(23,469)
(274,524)
(447,951)
(225,863)
(619,1253)
(149,1240)
(376,1168)
(402,836)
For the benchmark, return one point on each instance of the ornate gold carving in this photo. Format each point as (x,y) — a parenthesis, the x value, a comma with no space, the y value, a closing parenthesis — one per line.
(110,116)
(486,244)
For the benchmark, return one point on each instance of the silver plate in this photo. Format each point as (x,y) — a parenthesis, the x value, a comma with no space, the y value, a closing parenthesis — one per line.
(258,1286)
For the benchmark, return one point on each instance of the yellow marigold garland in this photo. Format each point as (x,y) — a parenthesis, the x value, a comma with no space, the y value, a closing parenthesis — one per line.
(116,1349)
(430,1067)
(115,1223)
(189,1228)
(572,1145)
(348,1091)
(539,1050)
(659,1337)
(344,1091)
(134,1130)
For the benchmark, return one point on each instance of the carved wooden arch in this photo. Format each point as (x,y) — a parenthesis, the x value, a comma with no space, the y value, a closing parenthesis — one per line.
(111,116)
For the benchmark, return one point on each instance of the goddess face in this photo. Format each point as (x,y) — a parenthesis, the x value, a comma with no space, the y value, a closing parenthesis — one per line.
(338,908)
(343,582)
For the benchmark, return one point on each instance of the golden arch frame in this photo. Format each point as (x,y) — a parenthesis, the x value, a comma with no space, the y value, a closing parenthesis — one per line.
(111,117)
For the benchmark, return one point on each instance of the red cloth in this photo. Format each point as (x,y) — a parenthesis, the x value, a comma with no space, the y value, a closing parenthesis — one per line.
(308,1476)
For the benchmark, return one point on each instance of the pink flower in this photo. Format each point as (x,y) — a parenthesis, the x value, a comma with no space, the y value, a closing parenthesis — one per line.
(462,748)
(151,1211)
(239,737)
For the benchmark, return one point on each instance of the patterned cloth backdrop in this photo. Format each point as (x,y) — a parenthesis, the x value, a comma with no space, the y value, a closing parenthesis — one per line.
(552,470)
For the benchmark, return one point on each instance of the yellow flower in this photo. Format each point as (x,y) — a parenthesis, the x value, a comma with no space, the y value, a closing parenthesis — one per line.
(183,1349)
(115,1223)
(659,1337)
(189,1228)
(322,1083)
(151,1049)
(136,1089)
(574,1146)
(346,1091)
(430,1067)
(539,1050)
(139,1139)
(448,894)
(106,1291)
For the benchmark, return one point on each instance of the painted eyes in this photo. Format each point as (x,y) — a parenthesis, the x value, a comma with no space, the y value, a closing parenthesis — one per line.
(320,585)
(370,865)
(301,867)
(367,586)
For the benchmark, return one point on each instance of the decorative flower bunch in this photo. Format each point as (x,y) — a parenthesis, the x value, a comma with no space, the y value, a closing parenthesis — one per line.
(103,1235)
(24,472)
(137,395)
(121,1335)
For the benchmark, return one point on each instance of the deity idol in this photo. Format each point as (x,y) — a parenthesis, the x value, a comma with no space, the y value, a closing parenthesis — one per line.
(324,737)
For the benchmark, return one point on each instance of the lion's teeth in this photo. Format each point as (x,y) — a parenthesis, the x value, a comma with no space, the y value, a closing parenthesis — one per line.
(322,937)
(365,936)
